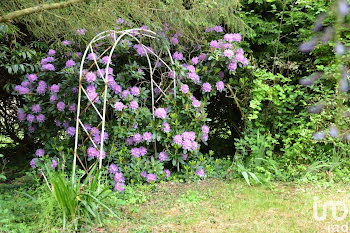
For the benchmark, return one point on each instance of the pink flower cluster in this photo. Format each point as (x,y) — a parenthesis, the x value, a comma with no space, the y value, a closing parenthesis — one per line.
(94,153)
(138,151)
(186,140)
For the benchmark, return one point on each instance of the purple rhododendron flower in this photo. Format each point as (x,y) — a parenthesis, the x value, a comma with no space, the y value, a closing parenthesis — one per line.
(187,144)
(90,77)
(31,128)
(46,60)
(116,88)
(32,163)
(232,66)
(218,29)
(40,152)
(113,168)
(196,103)
(55,88)
(92,56)
(66,124)
(140,50)
(81,31)
(206,87)
(151,177)
(143,174)
(119,106)
(93,96)
(22,90)
(133,105)
(202,57)
(233,37)
(135,91)
(48,67)
(36,108)
(21,115)
(92,152)
(189,135)
(167,173)
(66,42)
(129,141)
(174,40)
(105,60)
(119,187)
(191,68)
(200,172)
(72,108)
(228,53)
(54,163)
(214,44)
(166,128)
(240,50)
(160,113)
(205,129)
(58,123)
(142,151)
(40,118)
(53,98)
(135,152)
(119,177)
(184,156)
(205,137)
(103,154)
(162,156)
(178,56)
(147,136)
(137,138)
(70,63)
(101,73)
(30,118)
(194,77)
(177,139)
(220,85)
(32,77)
(25,84)
(171,74)
(125,93)
(71,131)
(195,60)
(60,106)
(120,21)
(184,88)
(51,52)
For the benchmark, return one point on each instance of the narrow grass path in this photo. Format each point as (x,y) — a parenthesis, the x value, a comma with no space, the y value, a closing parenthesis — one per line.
(220,206)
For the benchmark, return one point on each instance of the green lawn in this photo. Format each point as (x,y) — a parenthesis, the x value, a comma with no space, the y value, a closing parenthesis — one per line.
(219,206)
(201,206)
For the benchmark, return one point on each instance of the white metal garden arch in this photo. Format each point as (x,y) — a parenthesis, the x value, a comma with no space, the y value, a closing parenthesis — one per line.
(149,53)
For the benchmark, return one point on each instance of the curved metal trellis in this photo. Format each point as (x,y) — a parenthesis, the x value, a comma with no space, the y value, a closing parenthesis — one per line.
(82,91)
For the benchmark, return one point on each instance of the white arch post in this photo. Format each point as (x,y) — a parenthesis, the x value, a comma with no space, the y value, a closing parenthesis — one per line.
(79,124)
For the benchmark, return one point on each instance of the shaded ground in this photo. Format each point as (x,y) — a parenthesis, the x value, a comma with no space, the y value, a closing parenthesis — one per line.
(219,206)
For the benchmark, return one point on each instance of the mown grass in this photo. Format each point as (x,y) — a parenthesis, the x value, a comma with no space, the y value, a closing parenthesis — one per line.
(220,206)
(201,206)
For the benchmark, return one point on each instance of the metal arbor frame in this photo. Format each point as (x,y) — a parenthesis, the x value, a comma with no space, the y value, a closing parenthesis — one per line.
(80,111)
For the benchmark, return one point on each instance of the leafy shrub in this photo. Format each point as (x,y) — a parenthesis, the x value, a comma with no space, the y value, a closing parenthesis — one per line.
(176,125)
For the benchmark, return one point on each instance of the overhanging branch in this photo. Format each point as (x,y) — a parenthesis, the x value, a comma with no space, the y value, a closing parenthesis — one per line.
(36,9)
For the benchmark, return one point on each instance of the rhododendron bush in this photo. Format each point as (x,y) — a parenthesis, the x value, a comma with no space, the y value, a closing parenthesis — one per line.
(141,144)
